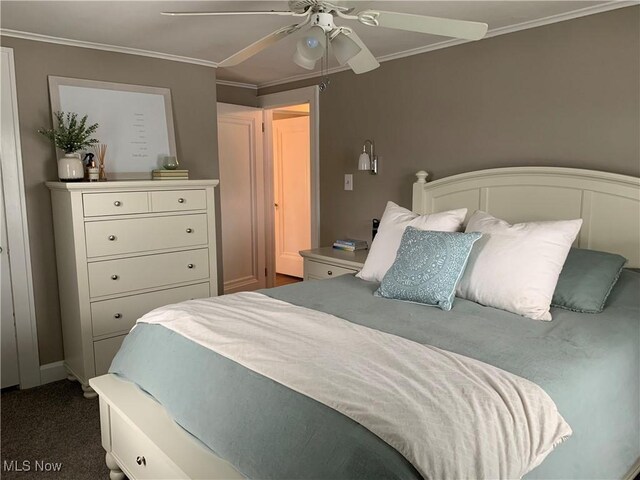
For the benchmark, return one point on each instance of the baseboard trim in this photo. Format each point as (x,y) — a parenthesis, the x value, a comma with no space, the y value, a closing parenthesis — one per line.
(52,372)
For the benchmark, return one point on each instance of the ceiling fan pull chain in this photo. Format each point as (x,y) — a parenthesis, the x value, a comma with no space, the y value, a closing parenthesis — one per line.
(324,67)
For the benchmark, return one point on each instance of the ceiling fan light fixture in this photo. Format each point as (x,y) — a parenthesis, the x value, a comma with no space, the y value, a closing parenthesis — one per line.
(311,46)
(303,61)
(344,48)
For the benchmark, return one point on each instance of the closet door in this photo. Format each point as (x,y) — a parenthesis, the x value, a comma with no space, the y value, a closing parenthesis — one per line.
(9,366)
(242,200)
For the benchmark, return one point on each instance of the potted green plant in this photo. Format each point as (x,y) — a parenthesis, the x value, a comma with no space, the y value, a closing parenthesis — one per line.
(71,136)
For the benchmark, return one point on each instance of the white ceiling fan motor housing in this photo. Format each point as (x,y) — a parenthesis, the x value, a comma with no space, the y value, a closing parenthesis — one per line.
(323,20)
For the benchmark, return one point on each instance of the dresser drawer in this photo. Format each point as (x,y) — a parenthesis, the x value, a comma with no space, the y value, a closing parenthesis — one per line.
(317,270)
(130,274)
(97,204)
(104,351)
(112,237)
(120,314)
(138,456)
(178,200)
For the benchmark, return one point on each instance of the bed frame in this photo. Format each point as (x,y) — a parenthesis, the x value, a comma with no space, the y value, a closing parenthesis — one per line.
(606,202)
(141,439)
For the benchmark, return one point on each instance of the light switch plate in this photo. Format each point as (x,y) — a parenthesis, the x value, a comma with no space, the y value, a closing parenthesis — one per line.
(348,181)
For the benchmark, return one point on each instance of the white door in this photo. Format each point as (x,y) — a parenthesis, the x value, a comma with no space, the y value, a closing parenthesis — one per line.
(292,193)
(242,200)
(10,374)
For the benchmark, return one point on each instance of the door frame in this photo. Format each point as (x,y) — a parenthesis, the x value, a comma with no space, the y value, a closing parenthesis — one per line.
(310,95)
(18,238)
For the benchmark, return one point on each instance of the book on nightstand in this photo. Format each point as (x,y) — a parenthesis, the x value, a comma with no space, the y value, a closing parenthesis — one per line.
(350,244)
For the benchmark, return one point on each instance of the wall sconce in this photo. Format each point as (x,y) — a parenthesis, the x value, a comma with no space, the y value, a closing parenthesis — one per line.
(368,161)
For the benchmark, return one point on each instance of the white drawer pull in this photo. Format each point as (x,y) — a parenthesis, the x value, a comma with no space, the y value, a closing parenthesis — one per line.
(329,272)
(117,203)
(117,315)
(141,461)
(181,200)
(191,265)
(189,230)
(114,277)
(112,237)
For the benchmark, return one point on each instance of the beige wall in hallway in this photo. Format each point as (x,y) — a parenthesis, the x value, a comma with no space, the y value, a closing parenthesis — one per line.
(193,91)
(237,95)
(565,94)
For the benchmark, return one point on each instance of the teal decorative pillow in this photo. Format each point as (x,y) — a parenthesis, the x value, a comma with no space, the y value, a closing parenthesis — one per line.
(587,278)
(428,267)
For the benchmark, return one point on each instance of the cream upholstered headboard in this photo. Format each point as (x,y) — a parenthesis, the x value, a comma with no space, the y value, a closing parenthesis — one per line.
(609,204)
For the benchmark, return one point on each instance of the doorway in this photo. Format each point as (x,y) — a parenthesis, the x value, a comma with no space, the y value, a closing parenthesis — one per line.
(290,155)
(296,102)
(268,160)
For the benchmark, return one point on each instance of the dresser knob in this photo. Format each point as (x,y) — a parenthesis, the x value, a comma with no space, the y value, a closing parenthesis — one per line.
(329,272)
(141,461)
(117,315)
(181,200)
(189,230)
(117,203)
(191,265)
(112,237)
(114,277)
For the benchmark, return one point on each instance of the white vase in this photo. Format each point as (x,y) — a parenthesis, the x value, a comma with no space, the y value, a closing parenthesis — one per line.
(70,168)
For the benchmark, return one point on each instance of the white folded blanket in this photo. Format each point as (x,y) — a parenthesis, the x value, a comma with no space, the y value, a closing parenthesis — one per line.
(449,415)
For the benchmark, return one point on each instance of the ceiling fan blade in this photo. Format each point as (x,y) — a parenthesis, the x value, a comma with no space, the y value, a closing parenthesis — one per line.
(423,24)
(258,46)
(212,14)
(364,61)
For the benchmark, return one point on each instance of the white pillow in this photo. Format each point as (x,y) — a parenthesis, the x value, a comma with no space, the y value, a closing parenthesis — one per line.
(516,267)
(392,225)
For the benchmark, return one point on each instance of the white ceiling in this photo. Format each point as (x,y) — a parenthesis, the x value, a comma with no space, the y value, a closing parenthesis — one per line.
(139,25)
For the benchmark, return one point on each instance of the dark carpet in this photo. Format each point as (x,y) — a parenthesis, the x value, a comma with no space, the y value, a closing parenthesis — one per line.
(49,425)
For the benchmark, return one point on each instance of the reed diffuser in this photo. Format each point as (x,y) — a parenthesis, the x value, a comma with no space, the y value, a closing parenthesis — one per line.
(101,151)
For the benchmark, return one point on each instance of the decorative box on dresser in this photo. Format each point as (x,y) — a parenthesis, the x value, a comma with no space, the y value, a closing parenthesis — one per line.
(327,262)
(124,248)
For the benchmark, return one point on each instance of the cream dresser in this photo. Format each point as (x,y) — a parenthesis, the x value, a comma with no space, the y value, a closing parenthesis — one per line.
(124,248)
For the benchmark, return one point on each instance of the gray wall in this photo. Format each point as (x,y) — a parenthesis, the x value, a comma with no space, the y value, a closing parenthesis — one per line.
(237,95)
(565,94)
(193,93)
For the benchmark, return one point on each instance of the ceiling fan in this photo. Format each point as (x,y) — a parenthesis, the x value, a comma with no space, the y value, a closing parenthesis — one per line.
(348,48)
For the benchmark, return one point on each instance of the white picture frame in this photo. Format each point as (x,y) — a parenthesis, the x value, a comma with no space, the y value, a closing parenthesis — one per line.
(135,122)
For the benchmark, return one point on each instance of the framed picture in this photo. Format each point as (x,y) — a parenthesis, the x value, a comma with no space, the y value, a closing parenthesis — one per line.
(135,122)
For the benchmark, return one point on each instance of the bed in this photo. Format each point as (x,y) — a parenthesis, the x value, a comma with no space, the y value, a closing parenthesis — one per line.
(588,364)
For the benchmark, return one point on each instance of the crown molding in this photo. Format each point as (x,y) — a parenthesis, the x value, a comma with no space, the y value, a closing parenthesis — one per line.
(106,47)
(583,12)
(229,83)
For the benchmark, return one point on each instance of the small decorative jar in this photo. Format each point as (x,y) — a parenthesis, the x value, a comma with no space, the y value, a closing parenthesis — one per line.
(70,168)
(170,163)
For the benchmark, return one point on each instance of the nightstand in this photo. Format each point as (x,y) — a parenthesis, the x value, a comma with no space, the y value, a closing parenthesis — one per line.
(328,262)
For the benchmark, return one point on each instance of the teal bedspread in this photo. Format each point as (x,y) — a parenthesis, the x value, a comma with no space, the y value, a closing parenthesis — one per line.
(589,365)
